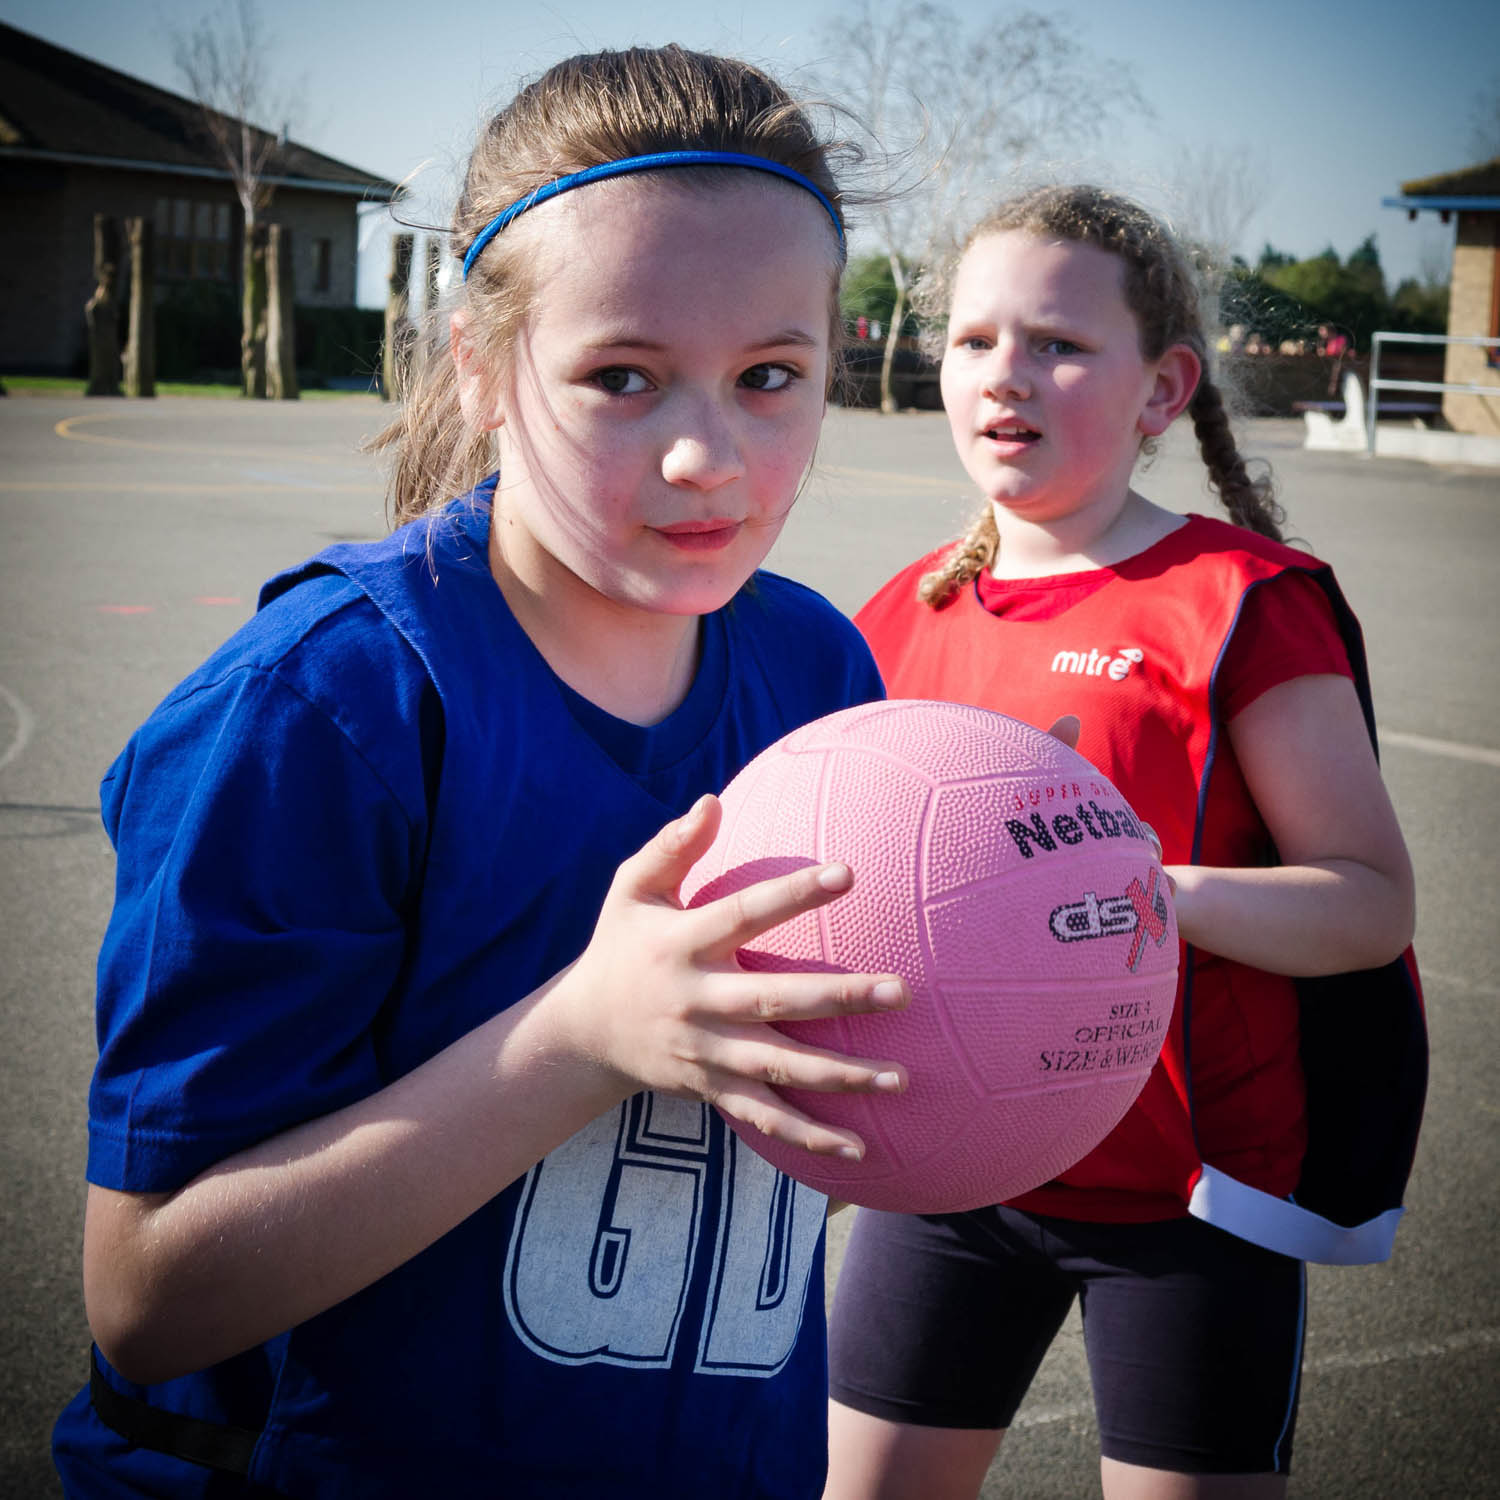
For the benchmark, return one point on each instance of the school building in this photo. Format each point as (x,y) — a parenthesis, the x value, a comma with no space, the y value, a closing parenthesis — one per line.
(1472,195)
(79,139)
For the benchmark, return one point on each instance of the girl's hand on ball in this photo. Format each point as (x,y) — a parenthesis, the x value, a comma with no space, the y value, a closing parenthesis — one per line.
(659,998)
(1067,729)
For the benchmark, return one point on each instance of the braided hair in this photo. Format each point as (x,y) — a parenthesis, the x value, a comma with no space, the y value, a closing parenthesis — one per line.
(1162,290)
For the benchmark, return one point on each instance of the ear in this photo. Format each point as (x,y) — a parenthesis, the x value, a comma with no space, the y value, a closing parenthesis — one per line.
(478,390)
(1177,375)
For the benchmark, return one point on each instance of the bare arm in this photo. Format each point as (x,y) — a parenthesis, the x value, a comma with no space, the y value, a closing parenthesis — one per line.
(1343,897)
(286,1229)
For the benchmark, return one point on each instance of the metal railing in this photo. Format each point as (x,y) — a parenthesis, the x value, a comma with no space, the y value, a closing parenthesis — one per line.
(1377,384)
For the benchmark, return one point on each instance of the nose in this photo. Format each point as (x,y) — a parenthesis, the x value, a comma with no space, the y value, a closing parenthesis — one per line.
(704,453)
(1005,372)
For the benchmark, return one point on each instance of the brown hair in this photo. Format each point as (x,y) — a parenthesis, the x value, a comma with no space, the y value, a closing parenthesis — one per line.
(583,112)
(1162,290)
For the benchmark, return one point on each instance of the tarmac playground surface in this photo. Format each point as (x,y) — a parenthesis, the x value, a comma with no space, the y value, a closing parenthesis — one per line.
(136,537)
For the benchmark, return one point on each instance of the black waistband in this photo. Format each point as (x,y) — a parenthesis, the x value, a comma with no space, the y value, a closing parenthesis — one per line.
(212,1444)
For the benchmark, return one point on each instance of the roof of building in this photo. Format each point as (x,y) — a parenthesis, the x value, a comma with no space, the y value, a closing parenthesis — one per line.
(1479,181)
(57,104)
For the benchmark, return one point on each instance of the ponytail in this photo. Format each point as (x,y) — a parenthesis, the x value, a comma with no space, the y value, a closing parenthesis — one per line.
(1251,502)
(437,453)
(968,559)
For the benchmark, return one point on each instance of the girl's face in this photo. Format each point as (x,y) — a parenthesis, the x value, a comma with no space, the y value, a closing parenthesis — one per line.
(1043,378)
(665,394)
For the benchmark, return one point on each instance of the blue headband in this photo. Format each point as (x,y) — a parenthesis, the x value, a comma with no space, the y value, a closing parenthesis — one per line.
(649,163)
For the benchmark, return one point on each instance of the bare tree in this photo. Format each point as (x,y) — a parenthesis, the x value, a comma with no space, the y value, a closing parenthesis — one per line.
(1219,190)
(959,100)
(226,59)
(1484,123)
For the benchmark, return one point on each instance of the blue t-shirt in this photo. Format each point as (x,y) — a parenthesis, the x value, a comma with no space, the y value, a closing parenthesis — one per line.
(371,820)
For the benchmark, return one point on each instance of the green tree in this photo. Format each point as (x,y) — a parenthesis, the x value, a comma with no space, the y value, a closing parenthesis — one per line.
(1419,307)
(869,291)
(1349,295)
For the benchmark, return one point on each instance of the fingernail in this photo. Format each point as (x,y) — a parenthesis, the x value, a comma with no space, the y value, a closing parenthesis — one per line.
(889,992)
(889,1082)
(851,1153)
(835,877)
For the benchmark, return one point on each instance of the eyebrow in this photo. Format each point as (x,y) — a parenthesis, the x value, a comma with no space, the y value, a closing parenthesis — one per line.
(793,337)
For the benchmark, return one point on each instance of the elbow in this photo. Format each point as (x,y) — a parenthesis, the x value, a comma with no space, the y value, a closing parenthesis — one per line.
(128,1354)
(127,1298)
(129,1332)
(1393,924)
(1403,916)
(142,1344)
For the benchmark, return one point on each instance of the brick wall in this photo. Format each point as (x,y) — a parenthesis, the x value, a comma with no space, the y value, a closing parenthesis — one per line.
(1472,310)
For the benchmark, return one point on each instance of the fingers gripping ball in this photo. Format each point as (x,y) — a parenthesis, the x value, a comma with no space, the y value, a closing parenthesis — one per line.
(1017,893)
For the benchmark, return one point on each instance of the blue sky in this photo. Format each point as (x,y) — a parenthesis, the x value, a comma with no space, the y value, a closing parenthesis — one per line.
(1339,102)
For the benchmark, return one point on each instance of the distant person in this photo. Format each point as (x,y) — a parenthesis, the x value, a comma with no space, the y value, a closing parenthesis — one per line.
(1333,346)
(1331,343)
(404,1179)
(1235,718)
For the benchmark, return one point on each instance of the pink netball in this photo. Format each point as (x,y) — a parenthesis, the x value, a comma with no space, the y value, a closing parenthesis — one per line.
(1014,889)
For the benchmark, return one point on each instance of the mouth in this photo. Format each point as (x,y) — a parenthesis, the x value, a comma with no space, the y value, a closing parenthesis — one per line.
(1012,433)
(700,536)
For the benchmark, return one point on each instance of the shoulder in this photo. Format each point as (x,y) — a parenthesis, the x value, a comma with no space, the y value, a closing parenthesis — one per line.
(1218,541)
(891,616)
(323,640)
(775,608)
(900,592)
(319,662)
(786,625)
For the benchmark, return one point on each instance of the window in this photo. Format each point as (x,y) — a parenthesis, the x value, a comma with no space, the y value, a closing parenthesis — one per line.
(322,265)
(192,240)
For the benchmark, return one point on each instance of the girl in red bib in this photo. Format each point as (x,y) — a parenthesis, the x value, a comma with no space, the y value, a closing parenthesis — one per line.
(1220,682)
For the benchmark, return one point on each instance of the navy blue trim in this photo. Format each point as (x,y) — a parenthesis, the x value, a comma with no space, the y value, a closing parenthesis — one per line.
(652,161)
(1281,1452)
(1363,1035)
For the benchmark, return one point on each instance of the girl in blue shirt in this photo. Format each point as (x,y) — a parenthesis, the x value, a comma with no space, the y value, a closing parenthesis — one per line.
(403,1174)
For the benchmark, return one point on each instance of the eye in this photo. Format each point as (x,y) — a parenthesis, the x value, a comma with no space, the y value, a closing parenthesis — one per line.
(768,377)
(976,343)
(1061,347)
(618,380)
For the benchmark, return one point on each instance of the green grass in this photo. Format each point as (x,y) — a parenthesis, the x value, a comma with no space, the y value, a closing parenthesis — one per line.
(64,385)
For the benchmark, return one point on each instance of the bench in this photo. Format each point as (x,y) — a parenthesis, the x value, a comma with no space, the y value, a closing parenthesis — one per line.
(1394,408)
(1340,425)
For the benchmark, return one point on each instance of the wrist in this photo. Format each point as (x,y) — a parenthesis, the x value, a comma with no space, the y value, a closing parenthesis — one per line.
(557,1035)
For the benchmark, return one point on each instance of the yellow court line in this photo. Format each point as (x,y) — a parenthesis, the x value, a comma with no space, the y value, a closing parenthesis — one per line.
(65,429)
(104,487)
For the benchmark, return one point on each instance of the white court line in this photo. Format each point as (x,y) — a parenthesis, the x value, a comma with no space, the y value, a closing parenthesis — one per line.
(1454,1343)
(1451,748)
(25,724)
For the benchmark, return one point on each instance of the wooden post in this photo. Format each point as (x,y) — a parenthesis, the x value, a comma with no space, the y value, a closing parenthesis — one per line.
(140,347)
(102,311)
(253,314)
(397,323)
(281,328)
(434,265)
